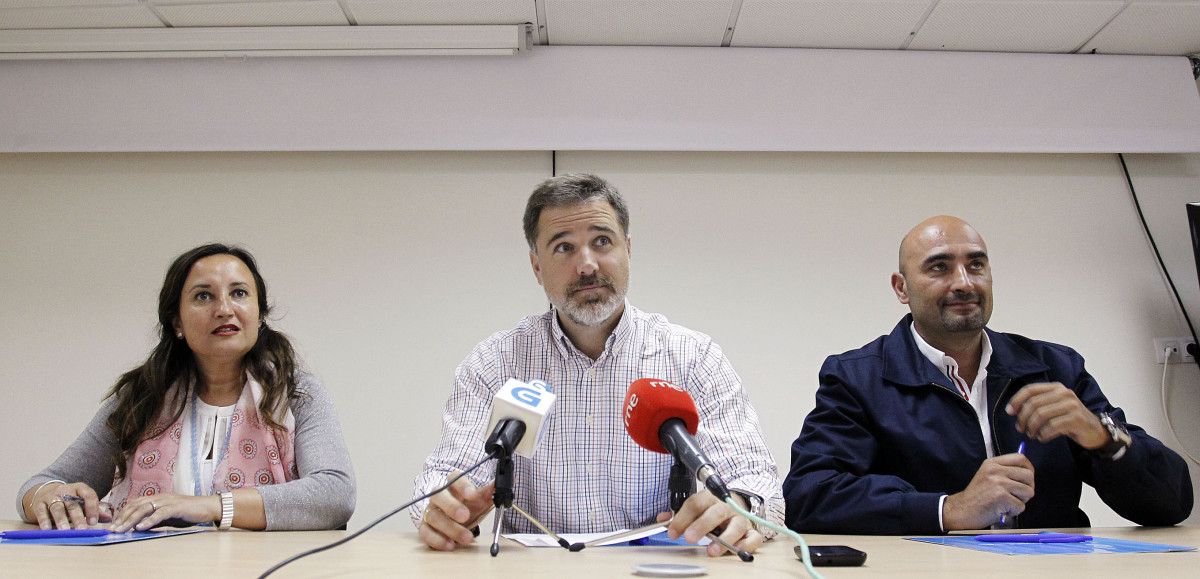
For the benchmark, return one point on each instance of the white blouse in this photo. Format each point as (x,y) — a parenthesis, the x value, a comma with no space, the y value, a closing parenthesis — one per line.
(212,423)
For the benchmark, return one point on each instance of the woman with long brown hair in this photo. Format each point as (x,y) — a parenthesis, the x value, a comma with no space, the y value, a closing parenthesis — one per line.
(219,425)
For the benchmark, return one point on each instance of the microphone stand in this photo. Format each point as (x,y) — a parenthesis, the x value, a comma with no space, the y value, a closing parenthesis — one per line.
(503,499)
(680,485)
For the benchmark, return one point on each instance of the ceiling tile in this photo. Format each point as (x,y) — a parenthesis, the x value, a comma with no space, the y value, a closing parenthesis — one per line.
(1167,28)
(441,11)
(172,2)
(884,24)
(48,3)
(1013,26)
(634,22)
(79,17)
(295,13)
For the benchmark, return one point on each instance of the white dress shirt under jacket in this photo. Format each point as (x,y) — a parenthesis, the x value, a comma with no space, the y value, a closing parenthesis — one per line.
(975,394)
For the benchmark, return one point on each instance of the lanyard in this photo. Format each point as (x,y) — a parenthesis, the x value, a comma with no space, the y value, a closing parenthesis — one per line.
(219,454)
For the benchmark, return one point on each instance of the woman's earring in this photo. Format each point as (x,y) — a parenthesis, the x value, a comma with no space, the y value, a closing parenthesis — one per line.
(179,335)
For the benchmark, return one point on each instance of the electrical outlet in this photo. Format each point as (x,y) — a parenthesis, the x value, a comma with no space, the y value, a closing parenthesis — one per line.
(1178,350)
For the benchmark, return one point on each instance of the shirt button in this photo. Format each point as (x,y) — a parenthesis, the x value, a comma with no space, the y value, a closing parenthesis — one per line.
(591,420)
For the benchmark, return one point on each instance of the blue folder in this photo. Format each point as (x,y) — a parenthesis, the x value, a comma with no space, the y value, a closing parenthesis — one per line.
(1096,545)
(658,540)
(108,539)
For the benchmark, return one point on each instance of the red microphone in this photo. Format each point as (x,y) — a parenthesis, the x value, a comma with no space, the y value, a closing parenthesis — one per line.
(662,417)
(649,403)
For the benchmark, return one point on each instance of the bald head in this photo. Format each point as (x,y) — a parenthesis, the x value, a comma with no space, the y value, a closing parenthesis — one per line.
(946,280)
(939,230)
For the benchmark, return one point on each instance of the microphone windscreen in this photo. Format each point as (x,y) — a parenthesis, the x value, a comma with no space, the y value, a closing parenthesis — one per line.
(651,402)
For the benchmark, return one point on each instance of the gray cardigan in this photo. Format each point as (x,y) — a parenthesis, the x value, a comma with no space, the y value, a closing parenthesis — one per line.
(322,498)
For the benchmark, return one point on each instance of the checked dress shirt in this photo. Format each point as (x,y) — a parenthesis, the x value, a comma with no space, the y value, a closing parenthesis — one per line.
(587,475)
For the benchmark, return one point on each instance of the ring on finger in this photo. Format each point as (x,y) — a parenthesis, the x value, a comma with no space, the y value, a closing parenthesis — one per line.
(153,507)
(56,500)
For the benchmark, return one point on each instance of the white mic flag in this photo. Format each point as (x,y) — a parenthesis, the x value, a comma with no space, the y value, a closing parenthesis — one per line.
(527,402)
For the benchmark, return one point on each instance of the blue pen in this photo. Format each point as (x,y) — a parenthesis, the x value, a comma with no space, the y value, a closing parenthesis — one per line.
(53,533)
(1034,538)
(1021,451)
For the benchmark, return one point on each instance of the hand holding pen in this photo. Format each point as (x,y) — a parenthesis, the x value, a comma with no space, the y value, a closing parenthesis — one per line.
(703,515)
(741,553)
(1001,486)
(1004,523)
(61,505)
(641,531)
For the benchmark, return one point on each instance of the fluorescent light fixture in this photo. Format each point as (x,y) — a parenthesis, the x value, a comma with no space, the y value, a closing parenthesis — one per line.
(469,40)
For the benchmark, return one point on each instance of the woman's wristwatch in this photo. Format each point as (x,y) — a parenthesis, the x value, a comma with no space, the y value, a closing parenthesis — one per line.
(226,510)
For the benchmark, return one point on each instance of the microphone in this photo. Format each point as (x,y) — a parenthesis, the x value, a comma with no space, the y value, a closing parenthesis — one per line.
(518,408)
(662,417)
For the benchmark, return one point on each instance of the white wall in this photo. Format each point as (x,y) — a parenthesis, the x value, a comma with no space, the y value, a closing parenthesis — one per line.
(387,268)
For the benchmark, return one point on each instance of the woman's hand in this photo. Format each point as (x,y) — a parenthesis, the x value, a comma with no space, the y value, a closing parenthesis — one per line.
(66,506)
(144,513)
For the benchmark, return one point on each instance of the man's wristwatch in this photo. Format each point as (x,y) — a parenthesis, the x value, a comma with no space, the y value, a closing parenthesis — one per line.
(754,503)
(1119,439)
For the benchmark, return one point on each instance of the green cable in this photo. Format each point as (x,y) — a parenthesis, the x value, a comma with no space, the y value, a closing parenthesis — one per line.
(794,535)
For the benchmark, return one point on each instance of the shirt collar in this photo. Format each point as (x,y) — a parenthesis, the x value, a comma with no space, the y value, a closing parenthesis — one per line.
(613,344)
(939,358)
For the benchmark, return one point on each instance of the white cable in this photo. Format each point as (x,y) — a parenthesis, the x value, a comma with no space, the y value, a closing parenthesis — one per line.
(806,558)
(1166,413)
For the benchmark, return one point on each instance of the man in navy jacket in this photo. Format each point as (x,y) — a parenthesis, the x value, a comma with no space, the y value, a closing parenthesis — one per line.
(946,425)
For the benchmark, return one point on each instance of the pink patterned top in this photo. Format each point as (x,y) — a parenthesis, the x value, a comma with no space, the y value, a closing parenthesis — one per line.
(253,454)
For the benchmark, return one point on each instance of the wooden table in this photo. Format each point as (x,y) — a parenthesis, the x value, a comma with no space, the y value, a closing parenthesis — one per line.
(398,554)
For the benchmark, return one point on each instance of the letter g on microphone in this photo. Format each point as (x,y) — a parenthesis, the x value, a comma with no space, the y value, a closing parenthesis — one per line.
(525,402)
(527,395)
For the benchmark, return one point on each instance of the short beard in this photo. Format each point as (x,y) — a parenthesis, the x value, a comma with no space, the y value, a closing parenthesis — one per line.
(594,312)
(968,323)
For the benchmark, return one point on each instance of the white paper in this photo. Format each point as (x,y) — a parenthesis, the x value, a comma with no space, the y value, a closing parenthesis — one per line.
(539,540)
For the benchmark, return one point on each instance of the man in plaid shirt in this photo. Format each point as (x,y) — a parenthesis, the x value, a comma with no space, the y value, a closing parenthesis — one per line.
(587,474)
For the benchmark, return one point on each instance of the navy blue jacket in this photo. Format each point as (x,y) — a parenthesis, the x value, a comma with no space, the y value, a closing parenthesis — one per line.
(890,435)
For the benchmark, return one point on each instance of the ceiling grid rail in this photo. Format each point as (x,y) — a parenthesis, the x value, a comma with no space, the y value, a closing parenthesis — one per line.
(924,17)
(734,13)
(157,13)
(1102,27)
(348,13)
(542,32)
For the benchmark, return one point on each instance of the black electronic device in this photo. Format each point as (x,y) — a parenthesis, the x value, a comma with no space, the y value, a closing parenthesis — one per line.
(1193,213)
(833,555)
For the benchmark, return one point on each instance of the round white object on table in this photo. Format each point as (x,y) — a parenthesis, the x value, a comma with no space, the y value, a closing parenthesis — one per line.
(669,570)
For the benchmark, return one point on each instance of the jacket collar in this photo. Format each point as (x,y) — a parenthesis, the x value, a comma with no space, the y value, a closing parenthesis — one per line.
(904,364)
